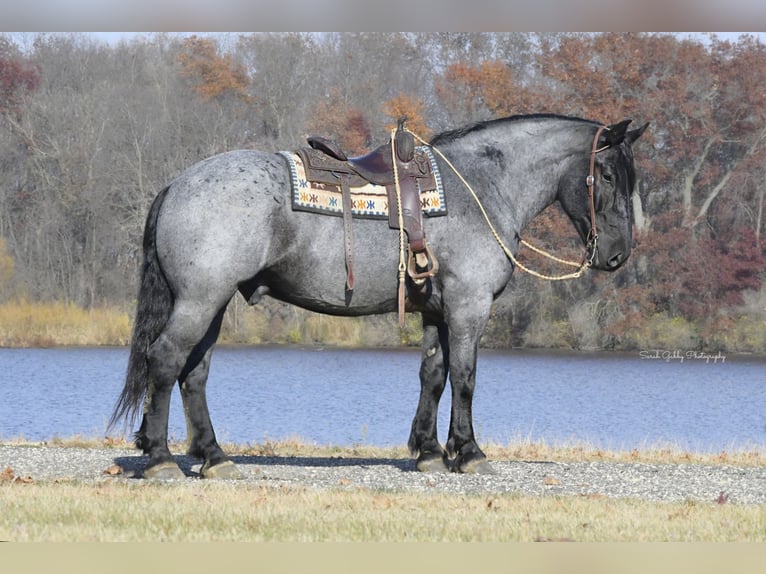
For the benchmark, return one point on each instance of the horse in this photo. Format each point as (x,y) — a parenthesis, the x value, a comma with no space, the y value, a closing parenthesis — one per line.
(226,224)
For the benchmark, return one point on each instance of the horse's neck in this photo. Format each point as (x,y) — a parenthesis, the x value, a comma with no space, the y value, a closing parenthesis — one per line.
(525,185)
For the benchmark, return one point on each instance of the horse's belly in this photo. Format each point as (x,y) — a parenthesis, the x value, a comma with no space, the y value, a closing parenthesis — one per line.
(316,280)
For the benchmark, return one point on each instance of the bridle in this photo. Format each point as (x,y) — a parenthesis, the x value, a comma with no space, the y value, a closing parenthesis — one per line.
(591,244)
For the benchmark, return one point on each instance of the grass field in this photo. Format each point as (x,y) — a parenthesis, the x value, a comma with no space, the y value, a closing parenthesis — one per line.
(192,511)
(229,512)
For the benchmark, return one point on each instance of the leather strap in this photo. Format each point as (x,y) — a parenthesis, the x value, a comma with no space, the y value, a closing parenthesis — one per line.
(590,182)
(348,231)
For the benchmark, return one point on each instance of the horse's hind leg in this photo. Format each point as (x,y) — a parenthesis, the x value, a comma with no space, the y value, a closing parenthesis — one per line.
(178,350)
(433,378)
(201,436)
(152,436)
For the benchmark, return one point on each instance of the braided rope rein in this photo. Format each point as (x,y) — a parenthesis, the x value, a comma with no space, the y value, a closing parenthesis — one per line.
(581,266)
(402,255)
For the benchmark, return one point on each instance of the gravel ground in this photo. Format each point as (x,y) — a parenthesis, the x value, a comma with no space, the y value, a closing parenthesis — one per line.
(656,482)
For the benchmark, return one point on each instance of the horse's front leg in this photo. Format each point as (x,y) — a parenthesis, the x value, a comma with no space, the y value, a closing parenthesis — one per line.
(466,328)
(423,441)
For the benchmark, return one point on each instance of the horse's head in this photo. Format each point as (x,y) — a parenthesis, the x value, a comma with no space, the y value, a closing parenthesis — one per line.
(605,222)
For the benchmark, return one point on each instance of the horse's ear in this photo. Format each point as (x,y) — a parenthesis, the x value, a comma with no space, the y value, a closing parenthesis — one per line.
(617,133)
(633,135)
(614,135)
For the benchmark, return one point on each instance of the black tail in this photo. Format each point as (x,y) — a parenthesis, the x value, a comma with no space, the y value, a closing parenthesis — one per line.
(155,303)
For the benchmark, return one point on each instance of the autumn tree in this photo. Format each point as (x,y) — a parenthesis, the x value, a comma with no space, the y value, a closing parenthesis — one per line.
(333,117)
(702,157)
(406,106)
(105,129)
(477,92)
(214,75)
(17,77)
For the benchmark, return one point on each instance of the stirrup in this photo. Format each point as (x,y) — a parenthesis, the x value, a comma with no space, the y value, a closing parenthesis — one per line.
(420,270)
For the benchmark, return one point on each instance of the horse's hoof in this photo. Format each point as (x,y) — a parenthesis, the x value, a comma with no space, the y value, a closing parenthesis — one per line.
(432,464)
(226,470)
(480,467)
(164,471)
(475,466)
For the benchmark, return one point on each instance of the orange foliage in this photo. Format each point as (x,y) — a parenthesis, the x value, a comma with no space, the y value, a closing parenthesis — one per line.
(356,132)
(214,75)
(334,118)
(403,105)
(498,89)
(487,88)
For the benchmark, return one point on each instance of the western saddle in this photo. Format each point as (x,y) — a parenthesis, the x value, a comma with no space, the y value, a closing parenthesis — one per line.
(402,169)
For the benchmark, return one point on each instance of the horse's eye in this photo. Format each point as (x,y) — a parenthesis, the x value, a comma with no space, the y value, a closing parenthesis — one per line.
(607,177)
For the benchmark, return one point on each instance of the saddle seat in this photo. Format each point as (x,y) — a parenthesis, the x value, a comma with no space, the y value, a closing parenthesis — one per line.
(375,167)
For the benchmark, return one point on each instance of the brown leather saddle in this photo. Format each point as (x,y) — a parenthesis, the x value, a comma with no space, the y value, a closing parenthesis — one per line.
(326,163)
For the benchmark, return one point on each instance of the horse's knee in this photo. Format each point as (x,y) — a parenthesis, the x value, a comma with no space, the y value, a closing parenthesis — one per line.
(433,373)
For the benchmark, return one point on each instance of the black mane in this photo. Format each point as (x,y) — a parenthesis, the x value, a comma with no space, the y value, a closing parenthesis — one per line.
(452,135)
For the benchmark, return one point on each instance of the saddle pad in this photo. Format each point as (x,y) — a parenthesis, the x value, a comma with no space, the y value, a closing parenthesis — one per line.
(369,201)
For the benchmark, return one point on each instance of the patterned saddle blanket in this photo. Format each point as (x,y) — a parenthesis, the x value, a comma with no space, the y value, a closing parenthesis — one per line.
(368,200)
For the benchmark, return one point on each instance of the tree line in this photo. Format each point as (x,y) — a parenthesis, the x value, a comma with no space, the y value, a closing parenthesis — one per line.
(89,132)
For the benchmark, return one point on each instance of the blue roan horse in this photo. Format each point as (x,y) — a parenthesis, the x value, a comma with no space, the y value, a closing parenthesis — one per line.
(226,224)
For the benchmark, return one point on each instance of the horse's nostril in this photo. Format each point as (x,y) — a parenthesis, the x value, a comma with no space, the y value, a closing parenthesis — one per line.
(615,261)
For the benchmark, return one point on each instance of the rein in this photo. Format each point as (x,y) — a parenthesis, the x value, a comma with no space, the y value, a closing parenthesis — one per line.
(592,242)
(402,256)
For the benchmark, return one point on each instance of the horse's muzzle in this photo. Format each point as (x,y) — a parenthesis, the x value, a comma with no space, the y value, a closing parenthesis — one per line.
(611,261)
(609,256)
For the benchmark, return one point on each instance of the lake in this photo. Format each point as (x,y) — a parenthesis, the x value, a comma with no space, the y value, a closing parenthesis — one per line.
(697,402)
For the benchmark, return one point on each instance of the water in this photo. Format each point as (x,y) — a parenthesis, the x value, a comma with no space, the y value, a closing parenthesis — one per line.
(701,404)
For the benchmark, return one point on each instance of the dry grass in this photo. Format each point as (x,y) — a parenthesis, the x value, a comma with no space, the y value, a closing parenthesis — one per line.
(223,511)
(25,324)
(59,324)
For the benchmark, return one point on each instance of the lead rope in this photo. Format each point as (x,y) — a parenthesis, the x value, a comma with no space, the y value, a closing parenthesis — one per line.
(581,266)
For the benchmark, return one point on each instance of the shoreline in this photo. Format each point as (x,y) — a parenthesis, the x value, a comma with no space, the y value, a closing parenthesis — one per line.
(651,354)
